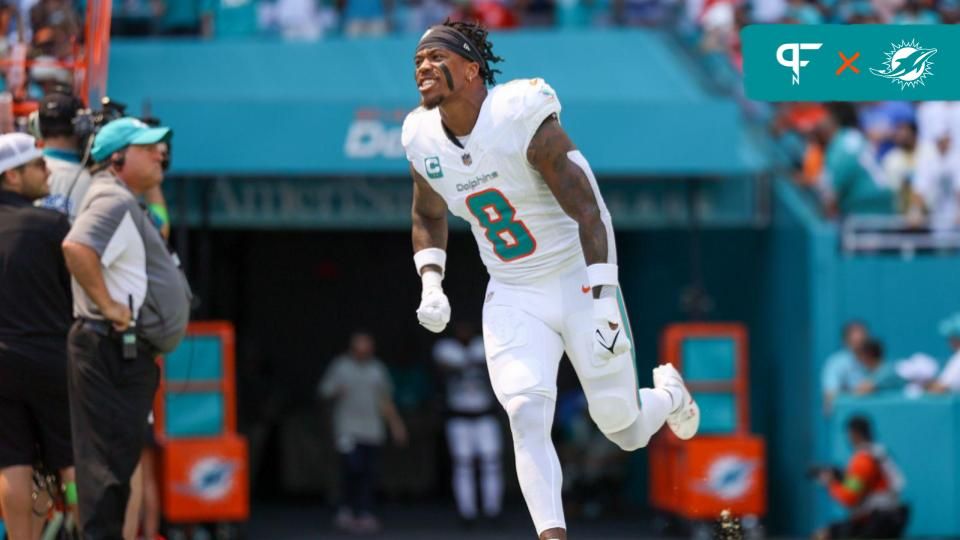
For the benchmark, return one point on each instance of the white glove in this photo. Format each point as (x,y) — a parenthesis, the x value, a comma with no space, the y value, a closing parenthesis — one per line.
(610,335)
(434,310)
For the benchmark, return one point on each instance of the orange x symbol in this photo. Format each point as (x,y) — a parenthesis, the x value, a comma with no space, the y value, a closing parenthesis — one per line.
(848,62)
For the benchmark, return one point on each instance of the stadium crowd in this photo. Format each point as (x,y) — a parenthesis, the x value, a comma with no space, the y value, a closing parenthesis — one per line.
(887,158)
(861,368)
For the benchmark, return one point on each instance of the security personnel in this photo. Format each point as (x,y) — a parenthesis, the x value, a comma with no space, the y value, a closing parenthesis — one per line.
(132,301)
(34,320)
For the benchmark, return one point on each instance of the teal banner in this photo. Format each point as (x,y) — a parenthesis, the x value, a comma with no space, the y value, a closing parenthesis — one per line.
(785,62)
(384,203)
(335,107)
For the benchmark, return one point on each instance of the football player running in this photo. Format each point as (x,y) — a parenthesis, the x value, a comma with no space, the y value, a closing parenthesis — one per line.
(499,159)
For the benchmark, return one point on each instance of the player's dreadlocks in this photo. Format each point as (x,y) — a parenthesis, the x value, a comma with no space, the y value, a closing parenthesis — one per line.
(477,35)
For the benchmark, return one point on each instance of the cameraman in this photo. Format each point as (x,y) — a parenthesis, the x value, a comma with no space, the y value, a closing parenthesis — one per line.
(64,146)
(870,488)
(132,301)
(63,149)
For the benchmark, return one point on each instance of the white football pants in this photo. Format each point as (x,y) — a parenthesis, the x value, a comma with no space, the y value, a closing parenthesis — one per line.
(526,330)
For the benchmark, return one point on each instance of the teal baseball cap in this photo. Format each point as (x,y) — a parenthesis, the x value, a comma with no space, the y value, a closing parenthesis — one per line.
(123,132)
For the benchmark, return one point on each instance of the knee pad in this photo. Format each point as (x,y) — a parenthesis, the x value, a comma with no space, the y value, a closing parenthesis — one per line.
(612,398)
(529,416)
(633,437)
(612,411)
(505,335)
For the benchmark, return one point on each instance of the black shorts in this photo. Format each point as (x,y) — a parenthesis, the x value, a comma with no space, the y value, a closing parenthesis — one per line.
(34,411)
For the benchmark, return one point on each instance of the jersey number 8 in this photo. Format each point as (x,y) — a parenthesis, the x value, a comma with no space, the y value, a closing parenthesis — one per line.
(510,237)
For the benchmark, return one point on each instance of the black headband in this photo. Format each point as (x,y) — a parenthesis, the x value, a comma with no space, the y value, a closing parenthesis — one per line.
(446,37)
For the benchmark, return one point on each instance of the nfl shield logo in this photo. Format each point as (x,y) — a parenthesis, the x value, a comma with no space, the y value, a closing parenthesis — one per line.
(467,160)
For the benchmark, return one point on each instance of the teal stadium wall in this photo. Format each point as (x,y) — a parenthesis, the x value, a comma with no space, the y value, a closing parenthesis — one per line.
(812,289)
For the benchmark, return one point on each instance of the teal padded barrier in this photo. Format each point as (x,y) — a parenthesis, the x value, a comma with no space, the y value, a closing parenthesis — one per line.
(718,412)
(709,359)
(712,359)
(3,531)
(198,358)
(194,414)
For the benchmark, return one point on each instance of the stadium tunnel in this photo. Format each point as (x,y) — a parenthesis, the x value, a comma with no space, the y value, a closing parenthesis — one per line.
(302,238)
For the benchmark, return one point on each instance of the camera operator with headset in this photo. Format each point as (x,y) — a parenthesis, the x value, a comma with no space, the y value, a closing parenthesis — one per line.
(63,148)
(65,128)
(132,303)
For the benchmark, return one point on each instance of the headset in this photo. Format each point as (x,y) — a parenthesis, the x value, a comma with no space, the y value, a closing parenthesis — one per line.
(118,159)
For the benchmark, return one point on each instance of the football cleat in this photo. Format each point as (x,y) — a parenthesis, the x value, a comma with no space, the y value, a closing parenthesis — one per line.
(685,420)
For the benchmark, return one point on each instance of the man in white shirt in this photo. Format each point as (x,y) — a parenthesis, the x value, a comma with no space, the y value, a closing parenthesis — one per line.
(949,379)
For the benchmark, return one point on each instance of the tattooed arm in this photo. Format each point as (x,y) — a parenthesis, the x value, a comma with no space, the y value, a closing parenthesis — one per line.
(429,217)
(430,256)
(571,187)
(568,176)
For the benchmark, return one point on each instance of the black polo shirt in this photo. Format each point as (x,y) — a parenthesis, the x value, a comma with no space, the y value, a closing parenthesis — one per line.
(35,300)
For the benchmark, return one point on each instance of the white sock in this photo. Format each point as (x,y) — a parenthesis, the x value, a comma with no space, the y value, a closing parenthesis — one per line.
(538,468)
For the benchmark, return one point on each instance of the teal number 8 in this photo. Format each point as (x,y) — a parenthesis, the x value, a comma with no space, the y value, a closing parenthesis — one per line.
(510,237)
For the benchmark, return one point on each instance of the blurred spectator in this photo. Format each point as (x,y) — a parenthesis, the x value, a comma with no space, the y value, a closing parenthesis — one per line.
(493,14)
(950,11)
(949,379)
(473,432)
(870,488)
(802,12)
(365,17)
(851,179)
(880,375)
(917,371)
(298,20)
(362,394)
(418,15)
(899,165)
(915,12)
(56,28)
(581,13)
(937,176)
(535,13)
(933,117)
(768,11)
(229,18)
(879,120)
(841,371)
(640,12)
(792,126)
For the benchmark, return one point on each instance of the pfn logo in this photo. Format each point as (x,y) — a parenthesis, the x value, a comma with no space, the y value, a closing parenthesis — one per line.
(794,62)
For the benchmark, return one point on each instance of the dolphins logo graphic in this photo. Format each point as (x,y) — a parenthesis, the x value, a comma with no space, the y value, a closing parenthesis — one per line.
(729,477)
(907,64)
(211,479)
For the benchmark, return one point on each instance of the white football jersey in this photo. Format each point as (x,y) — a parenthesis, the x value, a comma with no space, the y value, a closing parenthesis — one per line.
(522,232)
